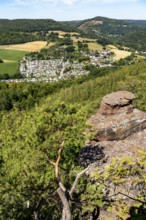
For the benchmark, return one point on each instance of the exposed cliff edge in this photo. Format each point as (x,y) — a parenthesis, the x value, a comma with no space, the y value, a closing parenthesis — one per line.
(117,130)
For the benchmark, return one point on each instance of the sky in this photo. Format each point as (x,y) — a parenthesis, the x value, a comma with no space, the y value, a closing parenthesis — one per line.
(66,10)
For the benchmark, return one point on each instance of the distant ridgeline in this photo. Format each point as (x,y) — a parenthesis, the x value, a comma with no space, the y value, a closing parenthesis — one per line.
(31,25)
(130,33)
(27,30)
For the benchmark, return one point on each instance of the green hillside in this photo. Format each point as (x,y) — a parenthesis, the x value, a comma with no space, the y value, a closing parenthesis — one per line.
(128,33)
(112,30)
(33,25)
(30,139)
(27,30)
(141,23)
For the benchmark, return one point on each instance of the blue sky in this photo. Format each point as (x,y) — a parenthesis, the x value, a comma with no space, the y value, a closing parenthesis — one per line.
(73,9)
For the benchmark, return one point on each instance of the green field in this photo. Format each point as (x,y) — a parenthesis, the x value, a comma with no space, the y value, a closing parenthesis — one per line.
(10,68)
(13,55)
(11,59)
(94,46)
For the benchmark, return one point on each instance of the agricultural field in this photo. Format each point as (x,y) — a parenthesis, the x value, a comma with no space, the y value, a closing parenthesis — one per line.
(94,46)
(10,59)
(62,33)
(9,68)
(48,45)
(82,39)
(30,47)
(120,54)
(11,54)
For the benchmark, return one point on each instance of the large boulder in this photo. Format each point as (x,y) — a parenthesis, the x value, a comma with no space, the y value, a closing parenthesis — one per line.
(117,102)
(116,118)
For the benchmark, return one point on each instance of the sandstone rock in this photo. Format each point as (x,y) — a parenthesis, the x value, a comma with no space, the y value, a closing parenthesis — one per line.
(117,118)
(120,98)
(117,102)
(117,126)
(118,130)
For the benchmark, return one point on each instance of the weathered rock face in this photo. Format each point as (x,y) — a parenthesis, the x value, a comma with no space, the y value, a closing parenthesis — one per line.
(117,118)
(117,102)
(118,130)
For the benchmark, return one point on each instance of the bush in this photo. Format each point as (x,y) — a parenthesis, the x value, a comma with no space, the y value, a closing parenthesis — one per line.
(1,61)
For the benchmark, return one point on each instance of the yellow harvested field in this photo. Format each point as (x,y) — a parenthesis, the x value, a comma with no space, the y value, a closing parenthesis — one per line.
(31,46)
(120,54)
(49,45)
(111,46)
(3,46)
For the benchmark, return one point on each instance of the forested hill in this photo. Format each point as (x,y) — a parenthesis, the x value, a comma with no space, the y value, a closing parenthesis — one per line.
(32,25)
(141,23)
(130,33)
(27,30)
(103,25)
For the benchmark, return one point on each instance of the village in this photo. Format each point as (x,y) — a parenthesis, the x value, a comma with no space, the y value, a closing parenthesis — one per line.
(50,70)
(60,69)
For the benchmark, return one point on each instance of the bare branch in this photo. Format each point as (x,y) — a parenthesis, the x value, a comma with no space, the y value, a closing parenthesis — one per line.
(77,180)
(50,161)
(62,186)
(56,164)
(66,215)
(58,160)
(120,193)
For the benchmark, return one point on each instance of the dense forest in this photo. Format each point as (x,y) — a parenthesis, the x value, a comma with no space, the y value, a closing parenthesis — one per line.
(33,25)
(42,127)
(11,37)
(27,30)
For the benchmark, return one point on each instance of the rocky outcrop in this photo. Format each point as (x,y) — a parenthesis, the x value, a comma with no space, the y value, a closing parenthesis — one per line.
(117,118)
(117,130)
(117,102)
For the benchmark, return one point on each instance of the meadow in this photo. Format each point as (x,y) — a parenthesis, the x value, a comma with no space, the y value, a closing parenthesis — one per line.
(120,54)
(9,68)
(12,54)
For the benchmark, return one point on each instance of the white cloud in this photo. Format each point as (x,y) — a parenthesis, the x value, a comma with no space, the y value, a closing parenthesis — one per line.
(108,1)
(71,2)
(68,2)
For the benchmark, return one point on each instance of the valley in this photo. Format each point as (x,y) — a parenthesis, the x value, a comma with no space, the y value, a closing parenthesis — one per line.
(72,119)
(71,48)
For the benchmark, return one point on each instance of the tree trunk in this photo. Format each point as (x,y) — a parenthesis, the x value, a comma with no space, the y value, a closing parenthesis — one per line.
(66,213)
(35,215)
